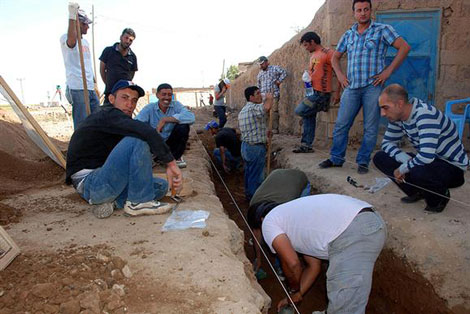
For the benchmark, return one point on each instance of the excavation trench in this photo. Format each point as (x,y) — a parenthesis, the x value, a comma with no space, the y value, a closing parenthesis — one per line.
(397,287)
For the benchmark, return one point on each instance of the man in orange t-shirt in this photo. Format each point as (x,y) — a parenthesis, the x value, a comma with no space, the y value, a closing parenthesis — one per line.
(321,73)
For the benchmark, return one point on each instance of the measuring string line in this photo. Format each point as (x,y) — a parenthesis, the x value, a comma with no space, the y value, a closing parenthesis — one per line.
(246,223)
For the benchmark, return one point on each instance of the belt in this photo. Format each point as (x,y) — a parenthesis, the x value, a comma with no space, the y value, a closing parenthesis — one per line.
(254,144)
(321,93)
(366,210)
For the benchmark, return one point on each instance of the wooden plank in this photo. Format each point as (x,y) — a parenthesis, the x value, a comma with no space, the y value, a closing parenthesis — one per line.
(37,128)
(8,249)
(86,95)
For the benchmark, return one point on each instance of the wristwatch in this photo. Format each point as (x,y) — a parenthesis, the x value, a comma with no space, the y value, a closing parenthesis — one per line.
(292,291)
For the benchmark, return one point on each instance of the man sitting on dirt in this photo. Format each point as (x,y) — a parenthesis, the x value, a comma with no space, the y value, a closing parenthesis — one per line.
(346,231)
(171,119)
(227,142)
(440,162)
(109,158)
(252,123)
(282,185)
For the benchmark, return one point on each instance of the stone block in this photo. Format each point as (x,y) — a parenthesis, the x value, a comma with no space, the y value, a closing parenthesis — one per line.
(450,57)
(321,131)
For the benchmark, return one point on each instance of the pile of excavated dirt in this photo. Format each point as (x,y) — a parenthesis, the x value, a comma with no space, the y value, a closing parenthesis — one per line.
(68,281)
(23,165)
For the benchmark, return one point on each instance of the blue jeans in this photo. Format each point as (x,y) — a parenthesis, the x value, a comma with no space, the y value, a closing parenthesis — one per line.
(76,99)
(126,175)
(351,102)
(309,118)
(232,162)
(220,110)
(352,257)
(255,159)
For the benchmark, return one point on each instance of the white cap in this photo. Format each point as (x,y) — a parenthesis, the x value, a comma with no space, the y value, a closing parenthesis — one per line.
(226,81)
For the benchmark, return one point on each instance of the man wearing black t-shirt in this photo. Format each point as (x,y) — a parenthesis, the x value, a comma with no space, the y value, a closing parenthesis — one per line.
(118,62)
(228,146)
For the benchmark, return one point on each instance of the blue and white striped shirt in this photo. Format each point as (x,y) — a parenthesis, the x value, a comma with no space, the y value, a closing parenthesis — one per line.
(252,123)
(431,133)
(366,52)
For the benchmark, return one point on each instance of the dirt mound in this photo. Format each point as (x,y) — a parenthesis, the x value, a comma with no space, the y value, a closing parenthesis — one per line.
(88,278)
(18,175)
(9,215)
(16,142)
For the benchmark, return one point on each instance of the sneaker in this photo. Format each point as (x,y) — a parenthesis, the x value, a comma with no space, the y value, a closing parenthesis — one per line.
(412,199)
(103,210)
(440,206)
(303,149)
(147,208)
(362,169)
(181,163)
(327,164)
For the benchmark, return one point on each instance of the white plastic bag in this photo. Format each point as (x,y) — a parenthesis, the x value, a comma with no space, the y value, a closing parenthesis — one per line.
(185,219)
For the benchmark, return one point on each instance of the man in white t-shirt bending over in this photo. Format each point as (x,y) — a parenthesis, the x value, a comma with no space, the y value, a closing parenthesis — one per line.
(346,231)
(73,70)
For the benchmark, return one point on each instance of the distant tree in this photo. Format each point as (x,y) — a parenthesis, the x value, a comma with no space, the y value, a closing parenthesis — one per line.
(232,72)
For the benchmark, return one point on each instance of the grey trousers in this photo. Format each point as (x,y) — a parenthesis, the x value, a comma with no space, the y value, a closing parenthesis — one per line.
(352,257)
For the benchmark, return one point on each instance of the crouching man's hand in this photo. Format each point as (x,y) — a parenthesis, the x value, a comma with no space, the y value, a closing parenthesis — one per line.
(174,176)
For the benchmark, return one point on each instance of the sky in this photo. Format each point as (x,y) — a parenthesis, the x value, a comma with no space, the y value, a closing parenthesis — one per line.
(183,43)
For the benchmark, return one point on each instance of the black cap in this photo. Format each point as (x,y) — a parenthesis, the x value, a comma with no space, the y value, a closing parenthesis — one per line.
(262,59)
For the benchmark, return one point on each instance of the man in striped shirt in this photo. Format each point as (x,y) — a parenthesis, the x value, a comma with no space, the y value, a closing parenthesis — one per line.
(366,44)
(269,79)
(252,124)
(440,160)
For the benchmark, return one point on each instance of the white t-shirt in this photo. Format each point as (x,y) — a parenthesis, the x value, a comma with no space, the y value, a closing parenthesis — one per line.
(312,222)
(73,70)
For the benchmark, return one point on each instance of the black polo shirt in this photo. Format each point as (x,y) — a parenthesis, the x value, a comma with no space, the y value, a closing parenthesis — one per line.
(227,137)
(118,67)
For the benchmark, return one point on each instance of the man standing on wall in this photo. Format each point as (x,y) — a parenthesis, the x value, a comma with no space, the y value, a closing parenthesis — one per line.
(366,44)
(118,62)
(73,70)
(320,71)
(269,79)
(252,124)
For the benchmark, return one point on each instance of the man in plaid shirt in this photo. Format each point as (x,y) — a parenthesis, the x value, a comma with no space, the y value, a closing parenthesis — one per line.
(252,124)
(269,79)
(366,44)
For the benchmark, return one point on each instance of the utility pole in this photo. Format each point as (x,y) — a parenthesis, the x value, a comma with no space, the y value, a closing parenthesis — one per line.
(93,41)
(21,87)
(223,68)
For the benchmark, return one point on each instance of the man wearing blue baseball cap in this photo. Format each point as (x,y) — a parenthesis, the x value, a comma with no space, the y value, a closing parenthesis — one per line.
(109,159)
(227,142)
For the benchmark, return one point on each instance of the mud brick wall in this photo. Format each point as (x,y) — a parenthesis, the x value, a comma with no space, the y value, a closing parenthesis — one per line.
(330,22)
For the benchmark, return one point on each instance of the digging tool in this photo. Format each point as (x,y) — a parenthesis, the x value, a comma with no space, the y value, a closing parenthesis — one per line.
(270,130)
(175,197)
(82,64)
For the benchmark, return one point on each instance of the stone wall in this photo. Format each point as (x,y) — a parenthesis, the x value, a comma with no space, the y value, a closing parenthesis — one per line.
(330,22)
